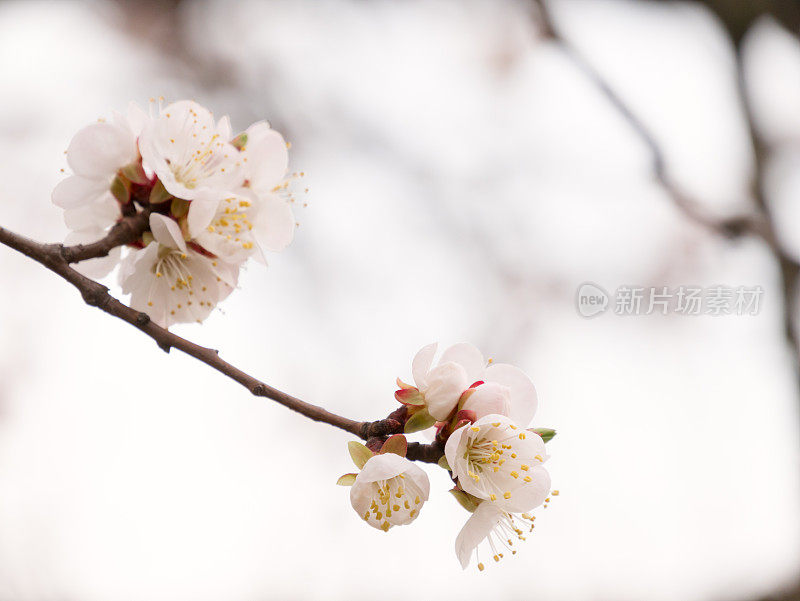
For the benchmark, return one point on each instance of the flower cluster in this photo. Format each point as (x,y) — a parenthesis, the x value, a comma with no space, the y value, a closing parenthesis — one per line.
(478,413)
(215,200)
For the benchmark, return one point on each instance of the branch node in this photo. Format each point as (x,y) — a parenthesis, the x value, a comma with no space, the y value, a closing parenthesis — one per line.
(259,390)
(142,319)
(164,346)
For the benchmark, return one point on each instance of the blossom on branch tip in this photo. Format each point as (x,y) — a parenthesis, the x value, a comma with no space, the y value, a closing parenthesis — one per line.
(214,200)
(497,461)
(462,381)
(389,490)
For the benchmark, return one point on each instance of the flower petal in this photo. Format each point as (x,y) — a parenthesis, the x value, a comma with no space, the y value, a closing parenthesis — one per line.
(100,214)
(489,398)
(477,528)
(523,393)
(99,150)
(469,357)
(166,231)
(275,223)
(201,213)
(421,364)
(383,467)
(267,157)
(76,191)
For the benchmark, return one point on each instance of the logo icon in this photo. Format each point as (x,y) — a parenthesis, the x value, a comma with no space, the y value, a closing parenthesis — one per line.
(591,300)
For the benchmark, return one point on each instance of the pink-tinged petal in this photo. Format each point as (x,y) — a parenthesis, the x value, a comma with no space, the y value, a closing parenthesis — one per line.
(489,398)
(94,268)
(421,364)
(99,150)
(275,223)
(445,384)
(523,393)
(76,191)
(167,232)
(383,467)
(468,356)
(201,214)
(482,521)
(267,157)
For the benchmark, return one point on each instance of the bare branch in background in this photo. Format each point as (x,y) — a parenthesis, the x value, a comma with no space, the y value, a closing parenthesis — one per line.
(57,258)
(759,224)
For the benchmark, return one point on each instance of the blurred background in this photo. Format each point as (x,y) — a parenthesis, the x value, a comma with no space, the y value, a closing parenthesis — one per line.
(466,175)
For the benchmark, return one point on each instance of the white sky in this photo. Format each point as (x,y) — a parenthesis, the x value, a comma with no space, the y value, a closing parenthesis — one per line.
(465,179)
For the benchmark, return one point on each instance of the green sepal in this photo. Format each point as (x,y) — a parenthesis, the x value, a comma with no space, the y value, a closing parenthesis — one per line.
(442,463)
(135,173)
(421,420)
(121,189)
(410,396)
(359,453)
(240,141)
(346,480)
(159,194)
(396,444)
(147,238)
(178,207)
(547,434)
(466,501)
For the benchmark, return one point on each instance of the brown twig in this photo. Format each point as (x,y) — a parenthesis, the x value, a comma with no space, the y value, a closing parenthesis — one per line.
(760,224)
(731,227)
(57,258)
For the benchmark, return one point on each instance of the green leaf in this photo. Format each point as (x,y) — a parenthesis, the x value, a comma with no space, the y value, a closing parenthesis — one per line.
(546,433)
(396,444)
(346,480)
(359,453)
(443,463)
(121,189)
(466,501)
(159,194)
(421,420)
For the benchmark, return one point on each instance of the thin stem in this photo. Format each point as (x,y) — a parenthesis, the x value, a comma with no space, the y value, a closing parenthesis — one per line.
(57,258)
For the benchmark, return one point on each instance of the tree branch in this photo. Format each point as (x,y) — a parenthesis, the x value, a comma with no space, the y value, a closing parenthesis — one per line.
(732,227)
(57,258)
(761,224)
(126,230)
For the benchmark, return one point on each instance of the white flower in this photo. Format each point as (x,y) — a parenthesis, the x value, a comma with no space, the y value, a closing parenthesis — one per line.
(265,159)
(495,460)
(442,386)
(506,390)
(191,153)
(499,528)
(389,491)
(174,283)
(227,230)
(96,154)
(498,389)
